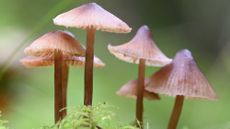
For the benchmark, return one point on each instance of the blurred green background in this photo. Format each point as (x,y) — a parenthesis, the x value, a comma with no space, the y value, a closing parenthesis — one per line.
(202,26)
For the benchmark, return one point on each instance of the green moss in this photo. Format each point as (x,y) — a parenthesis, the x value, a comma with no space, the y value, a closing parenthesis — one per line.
(99,116)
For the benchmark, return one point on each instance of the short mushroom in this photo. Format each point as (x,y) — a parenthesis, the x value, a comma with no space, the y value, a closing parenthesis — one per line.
(130,90)
(91,17)
(56,45)
(143,51)
(182,78)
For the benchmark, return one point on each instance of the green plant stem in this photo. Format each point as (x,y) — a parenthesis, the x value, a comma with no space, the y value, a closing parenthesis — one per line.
(57,84)
(88,96)
(65,72)
(140,92)
(176,112)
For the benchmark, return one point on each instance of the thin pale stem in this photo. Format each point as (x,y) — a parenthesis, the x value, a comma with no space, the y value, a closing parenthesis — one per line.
(65,72)
(176,112)
(140,92)
(88,96)
(57,85)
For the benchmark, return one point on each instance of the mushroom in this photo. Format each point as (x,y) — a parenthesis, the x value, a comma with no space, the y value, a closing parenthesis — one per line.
(130,90)
(91,17)
(55,45)
(182,78)
(143,51)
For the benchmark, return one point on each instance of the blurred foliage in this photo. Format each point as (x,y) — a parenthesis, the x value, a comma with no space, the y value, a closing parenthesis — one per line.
(3,123)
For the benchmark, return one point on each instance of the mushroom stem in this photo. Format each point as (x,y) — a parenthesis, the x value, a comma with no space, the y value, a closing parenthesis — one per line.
(65,72)
(140,92)
(176,112)
(88,96)
(57,84)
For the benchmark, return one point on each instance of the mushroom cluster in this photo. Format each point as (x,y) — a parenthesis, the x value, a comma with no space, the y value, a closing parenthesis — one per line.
(61,49)
(179,77)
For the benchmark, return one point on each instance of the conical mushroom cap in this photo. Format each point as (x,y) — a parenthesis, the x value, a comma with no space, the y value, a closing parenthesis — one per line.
(92,15)
(140,47)
(56,40)
(31,61)
(182,77)
(130,90)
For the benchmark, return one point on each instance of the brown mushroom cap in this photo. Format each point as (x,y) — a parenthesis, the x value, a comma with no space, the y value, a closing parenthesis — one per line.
(31,61)
(140,47)
(92,15)
(56,40)
(182,77)
(130,90)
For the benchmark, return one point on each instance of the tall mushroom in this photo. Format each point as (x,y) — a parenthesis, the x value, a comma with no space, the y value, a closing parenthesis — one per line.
(91,17)
(182,78)
(143,51)
(56,45)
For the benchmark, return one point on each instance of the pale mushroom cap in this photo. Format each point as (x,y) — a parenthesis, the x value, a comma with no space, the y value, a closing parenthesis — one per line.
(182,77)
(79,61)
(56,40)
(130,90)
(92,15)
(140,47)
(31,61)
